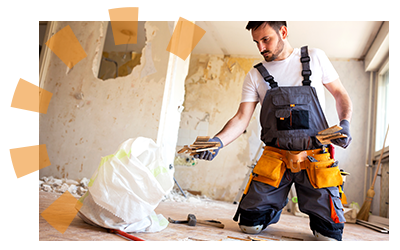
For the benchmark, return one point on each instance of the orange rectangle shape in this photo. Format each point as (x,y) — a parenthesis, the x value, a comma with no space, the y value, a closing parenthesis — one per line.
(124,32)
(44,100)
(124,24)
(30,97)
(44,160)
(124,14)
(61,212)
(185,37)
(67,47)
(25,160)
(29,159)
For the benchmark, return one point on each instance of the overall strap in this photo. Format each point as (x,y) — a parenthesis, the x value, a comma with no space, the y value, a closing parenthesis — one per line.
(265,74)
(305,62)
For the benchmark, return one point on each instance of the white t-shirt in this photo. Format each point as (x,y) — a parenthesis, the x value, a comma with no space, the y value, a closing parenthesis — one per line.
(288,73)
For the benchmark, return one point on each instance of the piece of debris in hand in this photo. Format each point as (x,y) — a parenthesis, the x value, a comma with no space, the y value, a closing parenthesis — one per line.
(201,144)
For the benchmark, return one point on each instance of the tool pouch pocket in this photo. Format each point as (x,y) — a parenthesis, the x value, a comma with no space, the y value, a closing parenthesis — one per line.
(321,174)
(269,169)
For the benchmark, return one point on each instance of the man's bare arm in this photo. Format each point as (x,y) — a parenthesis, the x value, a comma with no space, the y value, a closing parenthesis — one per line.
(236,126)
(344,105)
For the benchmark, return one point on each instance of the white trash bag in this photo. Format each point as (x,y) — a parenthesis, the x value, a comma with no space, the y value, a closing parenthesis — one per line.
(127,187)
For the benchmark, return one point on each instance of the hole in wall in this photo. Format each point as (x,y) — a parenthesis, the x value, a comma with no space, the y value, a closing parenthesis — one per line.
(120,60)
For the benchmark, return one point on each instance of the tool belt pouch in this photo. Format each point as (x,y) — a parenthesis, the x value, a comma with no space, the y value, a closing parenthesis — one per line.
(269,169)
(321,174)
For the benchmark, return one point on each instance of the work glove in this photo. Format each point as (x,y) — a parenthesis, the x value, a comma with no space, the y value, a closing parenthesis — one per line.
(207,155)
(343,142)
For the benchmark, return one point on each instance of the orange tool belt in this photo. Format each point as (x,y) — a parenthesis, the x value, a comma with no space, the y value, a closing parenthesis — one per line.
(274,161)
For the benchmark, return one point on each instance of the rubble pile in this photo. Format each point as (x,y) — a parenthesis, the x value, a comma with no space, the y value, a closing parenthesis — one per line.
(51,184)
(177,196)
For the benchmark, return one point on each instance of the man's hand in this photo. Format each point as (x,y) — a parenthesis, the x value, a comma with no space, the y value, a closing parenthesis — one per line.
(344,142)
(207,155)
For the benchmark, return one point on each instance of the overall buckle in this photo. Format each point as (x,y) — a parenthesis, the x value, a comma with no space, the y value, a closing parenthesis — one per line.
(306,72)
(294,160)
(304,59)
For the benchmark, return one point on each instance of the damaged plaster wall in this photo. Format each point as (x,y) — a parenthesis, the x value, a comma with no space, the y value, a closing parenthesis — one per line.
(87,117)
(212,96)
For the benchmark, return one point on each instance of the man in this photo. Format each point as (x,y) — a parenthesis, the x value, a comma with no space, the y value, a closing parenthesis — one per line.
(289,86)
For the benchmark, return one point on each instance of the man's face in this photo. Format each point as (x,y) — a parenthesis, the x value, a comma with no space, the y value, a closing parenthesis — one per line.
(269,43)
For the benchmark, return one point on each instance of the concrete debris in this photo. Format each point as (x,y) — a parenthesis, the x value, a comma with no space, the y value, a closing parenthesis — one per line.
(72,189)
(47,188)
(81,191)
(176,195)
(55,182)
(71,182)
(51,184)
(84,182)
(79,188)
(61,189)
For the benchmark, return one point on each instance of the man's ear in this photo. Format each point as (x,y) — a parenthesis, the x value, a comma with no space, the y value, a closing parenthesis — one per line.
(283,32)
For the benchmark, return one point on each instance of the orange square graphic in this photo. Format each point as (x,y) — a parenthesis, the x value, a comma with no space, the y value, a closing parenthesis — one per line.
(61,212)
(124,24)
(124,32)
(124,14)
(67,47)
(185,37)
(29,159)
(44,100)
(181,18)
(44,160)
(30,97)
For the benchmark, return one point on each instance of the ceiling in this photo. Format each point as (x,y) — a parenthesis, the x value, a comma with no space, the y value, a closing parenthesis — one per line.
(339,39)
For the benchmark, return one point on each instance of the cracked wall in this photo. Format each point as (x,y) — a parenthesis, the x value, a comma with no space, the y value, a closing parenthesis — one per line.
(87,117)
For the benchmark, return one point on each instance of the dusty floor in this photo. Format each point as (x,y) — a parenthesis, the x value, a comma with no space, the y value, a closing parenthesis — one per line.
(289,227)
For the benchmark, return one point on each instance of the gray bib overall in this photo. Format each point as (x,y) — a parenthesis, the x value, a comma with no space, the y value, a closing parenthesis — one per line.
(290,119)
(291,116)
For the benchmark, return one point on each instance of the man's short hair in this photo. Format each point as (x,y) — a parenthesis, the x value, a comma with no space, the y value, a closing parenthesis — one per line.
(276,25)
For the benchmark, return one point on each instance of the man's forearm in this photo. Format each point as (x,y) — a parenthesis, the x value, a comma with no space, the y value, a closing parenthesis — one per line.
(235,126)
(344,107)
(232,130)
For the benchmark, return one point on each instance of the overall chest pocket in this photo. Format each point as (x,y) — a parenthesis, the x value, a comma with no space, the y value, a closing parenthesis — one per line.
(292,111)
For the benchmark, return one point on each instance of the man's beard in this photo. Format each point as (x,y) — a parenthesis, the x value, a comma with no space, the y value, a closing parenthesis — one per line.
(276,53)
